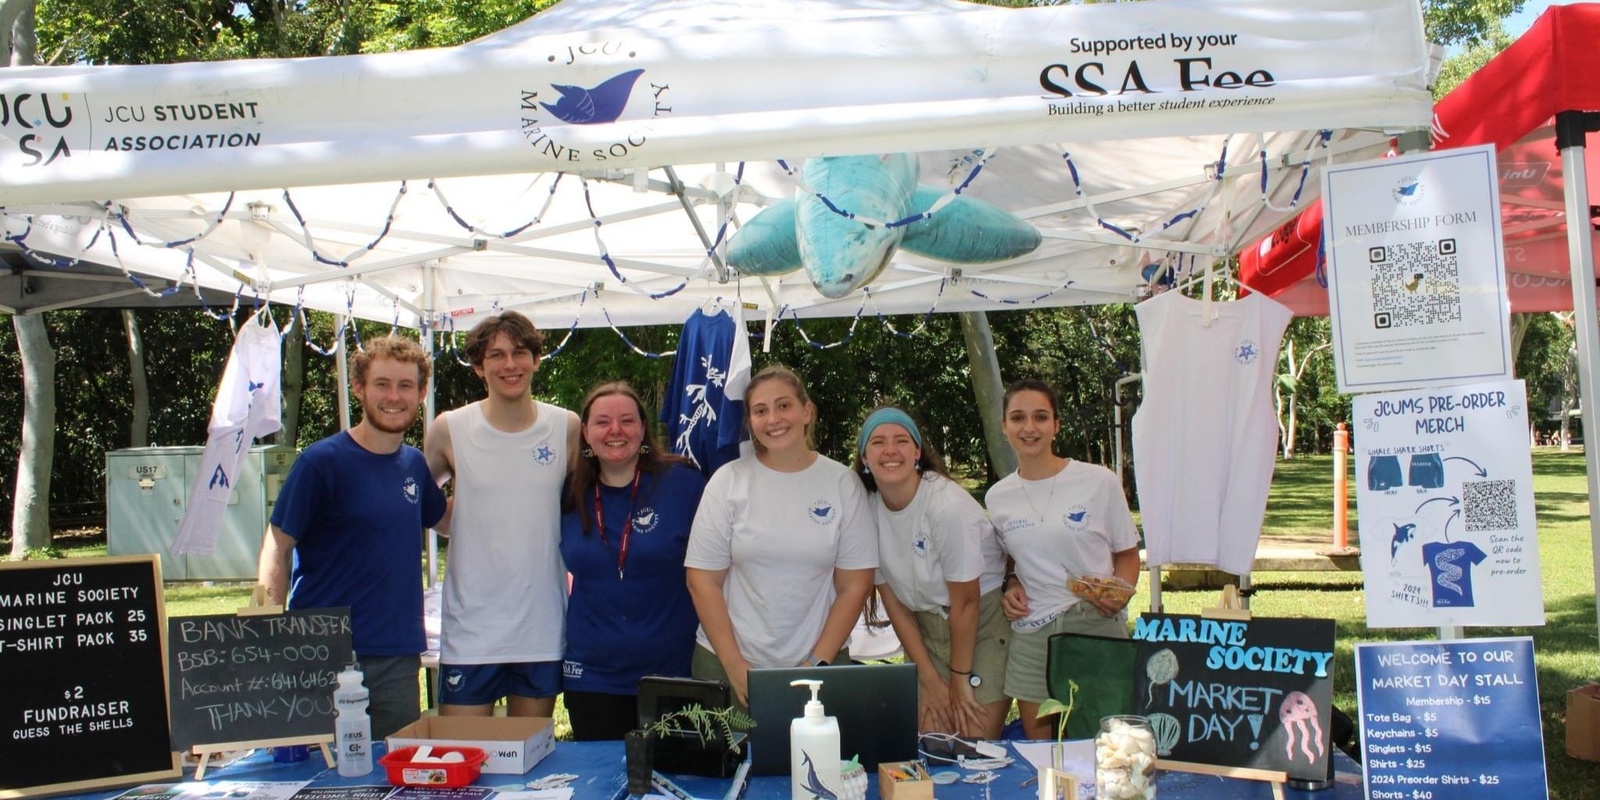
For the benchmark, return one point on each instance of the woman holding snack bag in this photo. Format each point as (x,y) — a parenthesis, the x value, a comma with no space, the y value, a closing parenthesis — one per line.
(1066,528)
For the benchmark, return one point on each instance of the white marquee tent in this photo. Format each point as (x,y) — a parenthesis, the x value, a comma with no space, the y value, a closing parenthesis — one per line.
(525,170)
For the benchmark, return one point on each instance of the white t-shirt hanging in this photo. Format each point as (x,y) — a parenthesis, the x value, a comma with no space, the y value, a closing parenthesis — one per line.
(1205,436)
(1070,522)
(941,536)
(780,535)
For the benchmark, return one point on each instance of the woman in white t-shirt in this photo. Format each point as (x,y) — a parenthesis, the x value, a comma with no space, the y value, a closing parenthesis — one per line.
(783,546)
(1055,516)
(939,574)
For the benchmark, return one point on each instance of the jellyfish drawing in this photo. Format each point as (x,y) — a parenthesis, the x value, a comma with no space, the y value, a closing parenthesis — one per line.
(1167,731)
(1299,717)
(1162,667)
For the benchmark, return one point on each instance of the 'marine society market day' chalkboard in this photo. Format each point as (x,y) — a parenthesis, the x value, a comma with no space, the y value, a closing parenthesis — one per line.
(86,704)
(1250,693)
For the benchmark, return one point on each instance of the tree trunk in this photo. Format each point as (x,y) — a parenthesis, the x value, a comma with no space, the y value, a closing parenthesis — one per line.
(138,383)
(30,513)
(989,390)
(294,382)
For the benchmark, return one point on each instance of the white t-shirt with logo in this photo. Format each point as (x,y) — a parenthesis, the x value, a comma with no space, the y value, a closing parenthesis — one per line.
(941,536)
(780,535)
(1072,521)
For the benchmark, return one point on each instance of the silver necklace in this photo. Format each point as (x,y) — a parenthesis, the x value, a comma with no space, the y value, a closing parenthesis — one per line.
(1051,499)
(1029,497)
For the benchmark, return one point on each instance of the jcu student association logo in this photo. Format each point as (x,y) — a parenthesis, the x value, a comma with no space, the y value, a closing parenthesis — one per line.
(39,123)
(545,111)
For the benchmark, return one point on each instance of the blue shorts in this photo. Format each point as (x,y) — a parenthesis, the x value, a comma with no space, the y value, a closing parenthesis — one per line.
(482,684)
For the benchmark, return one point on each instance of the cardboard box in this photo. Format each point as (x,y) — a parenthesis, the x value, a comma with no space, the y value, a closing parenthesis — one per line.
(1583,722)
(514,744)
(904,780)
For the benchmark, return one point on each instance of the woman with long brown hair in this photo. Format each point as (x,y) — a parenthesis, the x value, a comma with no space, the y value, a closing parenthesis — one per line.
(626,515)
(781,557)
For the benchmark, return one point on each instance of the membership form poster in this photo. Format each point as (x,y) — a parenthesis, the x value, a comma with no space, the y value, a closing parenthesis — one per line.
(1416,278)
(1444,486)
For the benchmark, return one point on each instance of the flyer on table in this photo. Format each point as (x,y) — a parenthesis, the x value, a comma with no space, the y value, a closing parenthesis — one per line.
(1444,487)
(1416,271)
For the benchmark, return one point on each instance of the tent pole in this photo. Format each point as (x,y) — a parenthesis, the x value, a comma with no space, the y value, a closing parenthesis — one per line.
(430,402)
(1571,128)
(341,365)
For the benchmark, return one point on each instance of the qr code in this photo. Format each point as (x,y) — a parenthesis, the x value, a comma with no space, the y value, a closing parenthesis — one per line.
(1490,505)
(1415,283)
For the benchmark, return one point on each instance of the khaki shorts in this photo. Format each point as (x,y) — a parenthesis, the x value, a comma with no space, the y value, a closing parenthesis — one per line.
(989,656)
(1025,678)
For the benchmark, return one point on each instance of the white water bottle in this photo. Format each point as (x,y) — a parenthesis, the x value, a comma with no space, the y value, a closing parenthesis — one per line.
(352,728)
(814,751)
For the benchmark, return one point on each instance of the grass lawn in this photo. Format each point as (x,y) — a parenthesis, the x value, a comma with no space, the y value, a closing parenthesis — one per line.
(1567,647)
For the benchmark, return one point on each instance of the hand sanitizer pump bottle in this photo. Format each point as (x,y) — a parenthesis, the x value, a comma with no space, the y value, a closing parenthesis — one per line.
(352,728)
(814,751)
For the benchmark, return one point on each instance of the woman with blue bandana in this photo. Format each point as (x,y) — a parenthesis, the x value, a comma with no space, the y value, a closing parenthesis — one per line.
(939,576)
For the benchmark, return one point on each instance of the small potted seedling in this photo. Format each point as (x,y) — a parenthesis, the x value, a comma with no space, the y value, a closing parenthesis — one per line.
(1056,782)
(693,740)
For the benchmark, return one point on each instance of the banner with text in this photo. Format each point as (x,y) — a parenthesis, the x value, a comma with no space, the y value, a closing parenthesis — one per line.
(563,92)
(1454,720)
(1444,486)
(1416,271)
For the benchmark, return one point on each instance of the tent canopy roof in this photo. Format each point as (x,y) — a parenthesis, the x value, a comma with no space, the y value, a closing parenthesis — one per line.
(438,186)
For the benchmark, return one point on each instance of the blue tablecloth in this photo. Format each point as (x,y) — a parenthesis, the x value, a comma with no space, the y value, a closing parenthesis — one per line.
(603,777)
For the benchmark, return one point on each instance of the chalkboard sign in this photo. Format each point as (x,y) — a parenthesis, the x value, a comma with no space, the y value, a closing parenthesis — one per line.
(85,703)
(1457,719)
(1250,693)
(255,678)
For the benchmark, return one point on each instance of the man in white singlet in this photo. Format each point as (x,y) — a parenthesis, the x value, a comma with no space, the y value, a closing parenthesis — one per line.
(502,632)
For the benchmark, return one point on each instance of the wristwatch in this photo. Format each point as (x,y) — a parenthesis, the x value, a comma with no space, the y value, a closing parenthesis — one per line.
(974,680)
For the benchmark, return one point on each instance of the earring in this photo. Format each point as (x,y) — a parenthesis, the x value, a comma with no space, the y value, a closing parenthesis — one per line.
(587,452)
(644,448)
(917,465)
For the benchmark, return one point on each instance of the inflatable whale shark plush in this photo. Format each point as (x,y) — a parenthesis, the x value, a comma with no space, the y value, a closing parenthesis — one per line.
(841,254)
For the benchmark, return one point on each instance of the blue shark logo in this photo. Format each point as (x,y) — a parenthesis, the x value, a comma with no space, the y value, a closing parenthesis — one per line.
(645,519)
(841,255)
(597,106)
(919,547)
(544,454)
(823,512)
(219,478)
(1408,191)
(409,489)
(1077,517)
(1246,352)
(814,784)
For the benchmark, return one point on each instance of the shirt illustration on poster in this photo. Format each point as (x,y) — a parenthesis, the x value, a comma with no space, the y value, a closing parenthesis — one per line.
(1450,567)
(703,407)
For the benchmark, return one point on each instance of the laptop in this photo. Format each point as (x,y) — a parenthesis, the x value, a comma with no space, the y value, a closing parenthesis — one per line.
(876,705)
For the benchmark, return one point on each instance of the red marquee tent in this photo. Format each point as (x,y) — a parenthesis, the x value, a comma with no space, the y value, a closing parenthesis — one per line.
(1511,102)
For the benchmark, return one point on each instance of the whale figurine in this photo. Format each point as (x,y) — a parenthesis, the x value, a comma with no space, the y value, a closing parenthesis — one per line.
(841,255)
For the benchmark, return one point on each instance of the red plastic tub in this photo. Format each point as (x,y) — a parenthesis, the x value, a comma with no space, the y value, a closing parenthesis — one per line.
(405,772)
